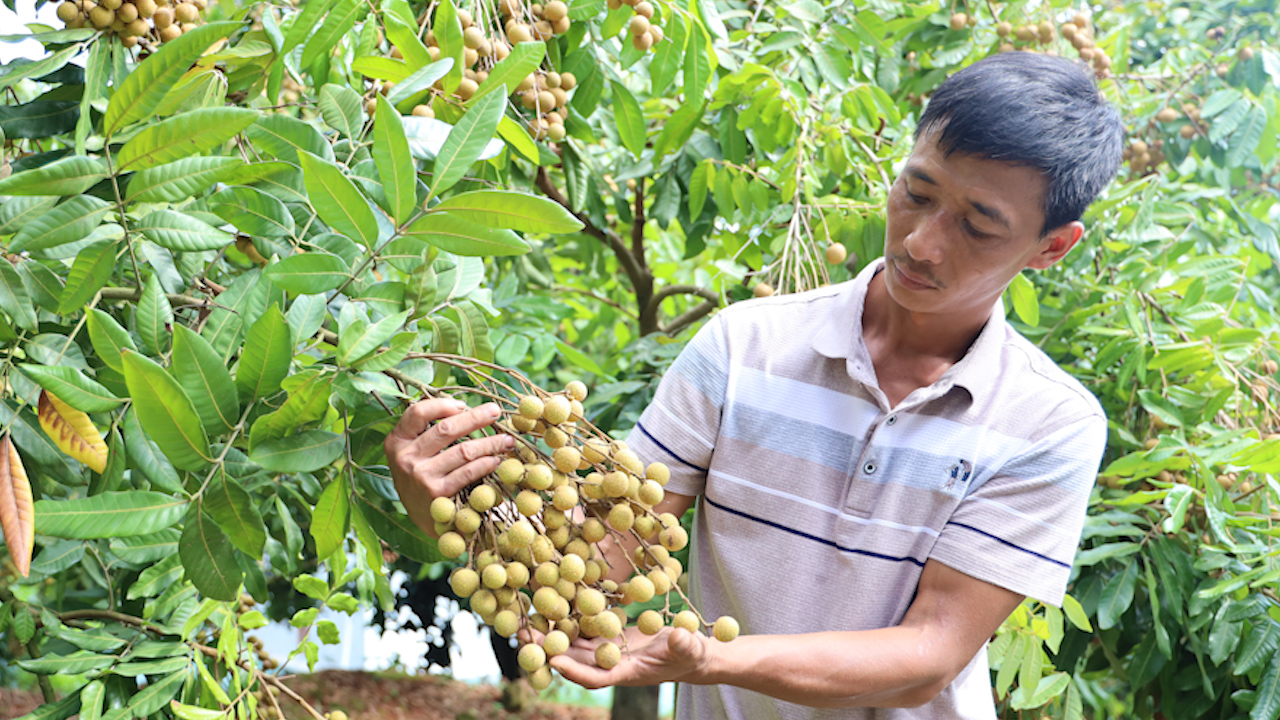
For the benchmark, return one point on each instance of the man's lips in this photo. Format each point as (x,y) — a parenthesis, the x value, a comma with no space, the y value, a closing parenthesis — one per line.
(912,281)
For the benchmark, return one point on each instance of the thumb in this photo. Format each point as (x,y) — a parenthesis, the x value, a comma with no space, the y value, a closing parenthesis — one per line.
(681,643)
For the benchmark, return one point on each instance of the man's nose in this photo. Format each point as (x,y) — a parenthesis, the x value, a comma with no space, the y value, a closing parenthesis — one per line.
(924,242)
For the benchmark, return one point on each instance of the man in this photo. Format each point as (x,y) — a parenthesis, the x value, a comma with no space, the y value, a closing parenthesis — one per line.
(886,469)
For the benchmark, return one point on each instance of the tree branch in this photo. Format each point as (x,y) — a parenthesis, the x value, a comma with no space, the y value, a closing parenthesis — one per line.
(634,273)
(637,227)
(654,307)
(135,294)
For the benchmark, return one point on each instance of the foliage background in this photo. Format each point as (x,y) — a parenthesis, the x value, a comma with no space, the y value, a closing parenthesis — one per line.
(145,198)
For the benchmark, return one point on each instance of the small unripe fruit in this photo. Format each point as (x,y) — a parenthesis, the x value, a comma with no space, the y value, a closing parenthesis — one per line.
(836,253)
(650,622)
(1245,54)
(555,643)
(68,11)
(451,545)
(482,498)
(464,582)
(443,509)
(531,407)
(762,290)
(608,656)
(686,620)
(506,623)
(725,629)
(557,408)
(958,21)
(1269,367)
(1187,132)
(572,568)
(531,657)
(466,521)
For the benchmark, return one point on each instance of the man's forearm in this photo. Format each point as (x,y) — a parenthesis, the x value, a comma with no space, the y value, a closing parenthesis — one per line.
(890,667)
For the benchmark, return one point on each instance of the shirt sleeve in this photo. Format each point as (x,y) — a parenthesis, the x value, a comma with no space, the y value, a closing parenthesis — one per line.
(1021,528)
(680,426)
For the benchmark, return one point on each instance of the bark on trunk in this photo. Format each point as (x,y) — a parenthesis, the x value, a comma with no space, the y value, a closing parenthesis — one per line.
(635,703)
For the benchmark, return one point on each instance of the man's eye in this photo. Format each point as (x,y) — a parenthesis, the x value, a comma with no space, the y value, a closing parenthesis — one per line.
(917,199)
(975,232)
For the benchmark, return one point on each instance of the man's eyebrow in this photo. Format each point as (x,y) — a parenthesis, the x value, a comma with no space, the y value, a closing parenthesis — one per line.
(921,175)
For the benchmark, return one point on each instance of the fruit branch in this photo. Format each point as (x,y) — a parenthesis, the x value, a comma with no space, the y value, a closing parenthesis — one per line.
(135,294)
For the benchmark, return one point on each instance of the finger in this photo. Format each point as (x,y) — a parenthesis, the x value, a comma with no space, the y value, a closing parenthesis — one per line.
(467,474)
(588,676)
(450,429)
(421,414)
(467,452)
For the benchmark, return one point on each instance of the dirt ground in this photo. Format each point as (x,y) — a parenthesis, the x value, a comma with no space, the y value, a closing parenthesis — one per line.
(366,696)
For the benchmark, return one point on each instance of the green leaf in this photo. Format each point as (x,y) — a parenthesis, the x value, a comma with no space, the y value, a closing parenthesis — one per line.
(359,339)
(1243,141)
(475,331)
(71,385)
(177,181)
(380,68)
(307,617)
(252,211)
(205,380)
(157,578)
(399,532)
(44,286)
(462,237)
(195,712)
(337,201)
(581,359)
(306,451)
(511,70)
(394,163)
(311,586)
(515,135)
(39,68)
(92,694)
(410,90)
(511,210)
(286,137)
(342,110)
(313,272)
(699,182)
(67,706)
(328,632)
(235,512)
(58,556)
(91,270)
(177,231)
(155,317)
(161,666)
(342,18)
(166,413)
(14,299)
(159,692)
(146,549)
(1076,614)
(209,558)
(447,30)
(137,96)
(1117,595)
(467,139)
(108,515)
(329,519)
(146,455)
(71,221)
(1025,303)
(1267,705)
(630,119)
(190,133)
(697,67)
(304,22)
(405,38)
(77,662)
(68,176)
(268,350)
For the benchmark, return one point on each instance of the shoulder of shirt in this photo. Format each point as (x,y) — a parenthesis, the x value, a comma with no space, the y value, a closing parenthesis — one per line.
(1070,391)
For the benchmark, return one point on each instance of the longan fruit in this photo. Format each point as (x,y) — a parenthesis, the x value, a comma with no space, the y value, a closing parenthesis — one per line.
(639,25)
(661,581)
(186,13)
(467,88)
(1004,29)
(555,10)
(545,599)
(528,503)
(556,132)
(555,643)
(473,37)
(656,32)
(569,81)
(725,628)
(593,530)
(608,656)
(607,625)
(482,498)
(686,620)
(1269,367)
(630,461)
(173,32)
(451,545)
(531,657)
(557,408)
(593,450)
(835,253)
(572,568)
(621,517)
(483,602)
(644,9)
(521,533)
(540,679)
(68,11)
(959,21)
(615,484)
(640,589)
(642,42)
(674,539)
(651,493)
(443,509)
(519,32)
(464,582)
(762,290)
(556,438)
(127,13)
(590,601)
(542,549)
(470,57)
(1167,115)
(530,407)
(102,17)
(565,498)
(506,623)
(650,622)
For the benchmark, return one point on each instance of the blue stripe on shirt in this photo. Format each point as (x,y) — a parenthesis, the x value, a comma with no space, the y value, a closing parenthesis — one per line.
(668,450)
(815,538)
(1006,542)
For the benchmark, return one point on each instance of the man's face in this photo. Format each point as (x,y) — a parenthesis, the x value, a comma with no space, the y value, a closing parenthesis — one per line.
(959,228)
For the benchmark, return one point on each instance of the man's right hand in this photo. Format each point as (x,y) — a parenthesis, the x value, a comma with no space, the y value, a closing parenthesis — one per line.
(427,464)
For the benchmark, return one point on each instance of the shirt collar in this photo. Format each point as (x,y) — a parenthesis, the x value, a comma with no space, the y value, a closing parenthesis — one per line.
(839,335)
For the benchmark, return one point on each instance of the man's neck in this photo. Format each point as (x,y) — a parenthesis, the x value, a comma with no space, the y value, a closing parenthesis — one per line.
(912,350)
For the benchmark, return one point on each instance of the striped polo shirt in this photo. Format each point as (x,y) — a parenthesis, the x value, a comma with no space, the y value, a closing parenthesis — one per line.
(819,503)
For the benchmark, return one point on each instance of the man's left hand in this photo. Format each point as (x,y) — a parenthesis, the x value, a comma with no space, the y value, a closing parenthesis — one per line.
(673,655)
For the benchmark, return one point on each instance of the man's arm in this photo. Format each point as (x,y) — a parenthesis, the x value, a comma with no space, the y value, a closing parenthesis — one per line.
(903,666)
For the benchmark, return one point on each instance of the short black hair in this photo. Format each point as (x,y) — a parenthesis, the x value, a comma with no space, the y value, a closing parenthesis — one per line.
(1033,110)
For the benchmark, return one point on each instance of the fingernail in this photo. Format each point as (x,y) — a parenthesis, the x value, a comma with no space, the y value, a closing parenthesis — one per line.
(459,405)
(508,442)
(492,410)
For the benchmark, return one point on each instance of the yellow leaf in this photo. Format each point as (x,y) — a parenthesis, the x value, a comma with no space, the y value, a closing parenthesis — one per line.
(72,431)
(17,512)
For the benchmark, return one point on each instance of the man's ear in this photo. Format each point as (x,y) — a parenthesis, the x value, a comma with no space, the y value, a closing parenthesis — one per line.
(1056,244)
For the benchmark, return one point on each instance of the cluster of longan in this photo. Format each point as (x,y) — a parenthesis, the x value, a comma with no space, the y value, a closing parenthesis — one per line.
(531,530)
(1144,157)
(1078,31)
(135,21)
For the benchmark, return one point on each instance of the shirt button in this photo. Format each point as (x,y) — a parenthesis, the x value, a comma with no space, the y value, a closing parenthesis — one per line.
(892,419)
(869,468)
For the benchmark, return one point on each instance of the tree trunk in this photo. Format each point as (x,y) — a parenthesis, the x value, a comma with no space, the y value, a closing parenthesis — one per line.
(635,703)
